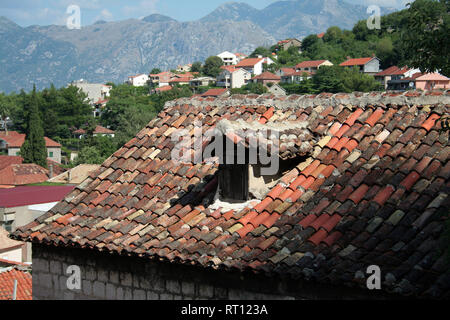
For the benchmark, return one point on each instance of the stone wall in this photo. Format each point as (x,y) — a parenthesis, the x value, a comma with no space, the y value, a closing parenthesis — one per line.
(109,277)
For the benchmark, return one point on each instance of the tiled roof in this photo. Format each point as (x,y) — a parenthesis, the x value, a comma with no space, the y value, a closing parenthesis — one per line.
(7,243)
(267,76)
(24,285)
(16,140)
(24,196)
(75,175)
(6,161)
(163,88)
(214,92)
(250,62)
(97,130)
(356,62)
(22,174)
(320,35)
(391,71)
(310,64)
(371,191)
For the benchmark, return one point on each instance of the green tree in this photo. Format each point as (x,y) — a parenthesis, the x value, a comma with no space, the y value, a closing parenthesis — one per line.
(155,71)
(89,155)
(425,35)
(212,66)
(261,51)
(196,67)
(33,149)
(329,79)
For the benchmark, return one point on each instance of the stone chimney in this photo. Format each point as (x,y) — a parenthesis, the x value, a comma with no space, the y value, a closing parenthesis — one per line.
(50,168)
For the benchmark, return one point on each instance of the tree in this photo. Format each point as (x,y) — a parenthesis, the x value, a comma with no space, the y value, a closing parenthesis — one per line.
(155,71)
(89,155)
(212,66)
(425,35)
(328,79)
(196,67)
(4,110)
(33,149)
(261,51)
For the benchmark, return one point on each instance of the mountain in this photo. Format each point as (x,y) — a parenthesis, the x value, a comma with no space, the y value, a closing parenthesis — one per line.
(299,18)
(111,51)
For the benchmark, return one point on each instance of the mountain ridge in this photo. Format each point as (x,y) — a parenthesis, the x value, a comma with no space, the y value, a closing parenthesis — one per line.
(110,51)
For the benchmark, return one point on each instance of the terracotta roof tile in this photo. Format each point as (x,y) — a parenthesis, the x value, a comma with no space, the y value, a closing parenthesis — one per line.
(376,158)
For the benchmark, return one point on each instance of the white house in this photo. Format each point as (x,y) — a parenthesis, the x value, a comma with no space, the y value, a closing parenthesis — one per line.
(370,65)
(233,78)
(252,65)
(228,58)
(139,80)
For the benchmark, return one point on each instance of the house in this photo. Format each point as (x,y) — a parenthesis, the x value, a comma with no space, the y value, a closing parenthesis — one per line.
(312,65)
(162,89)
(240,56)
(12,141)
(228,58)
(288,43)
(215,93)
(420,81)
(277,90)
(75,175)
(252,65)
(15,279)
(266,78)
(296,77)
(21,205)
(95,91)
(161,79)
(394,73)
(320,35)
(284,71)
(232,77)
(370,65)
(99,131)
(361,184)
(184,68)
(10,250)
(202,82)
(180,79)
(138,80)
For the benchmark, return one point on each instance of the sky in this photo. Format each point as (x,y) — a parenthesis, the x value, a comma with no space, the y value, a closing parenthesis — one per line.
(46,12)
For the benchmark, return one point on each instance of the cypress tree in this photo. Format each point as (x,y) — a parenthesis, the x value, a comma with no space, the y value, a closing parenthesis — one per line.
(33,149)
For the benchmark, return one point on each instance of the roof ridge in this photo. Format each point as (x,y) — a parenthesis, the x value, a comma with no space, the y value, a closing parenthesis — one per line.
(360,99)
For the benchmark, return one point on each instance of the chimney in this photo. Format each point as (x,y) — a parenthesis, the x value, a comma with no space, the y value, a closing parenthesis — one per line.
(50,171)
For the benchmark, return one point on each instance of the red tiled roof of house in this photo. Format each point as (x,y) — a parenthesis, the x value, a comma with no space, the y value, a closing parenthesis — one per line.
(267,76)
(6,161)
(320,35)
(24,285)
(22,174)
(16,140)
(393,70)
(356,62)
(97,130)
(214,92)
(372,190)
(310,64)
(250,62)
(25,196)
(6,243)
(229,68)
(163,89)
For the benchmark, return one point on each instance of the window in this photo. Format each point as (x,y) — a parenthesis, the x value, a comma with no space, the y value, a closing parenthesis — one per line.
(50,154)
(8,225)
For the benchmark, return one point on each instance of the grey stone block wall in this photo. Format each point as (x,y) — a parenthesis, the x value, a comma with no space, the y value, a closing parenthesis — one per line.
(106,277)
(112,277)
